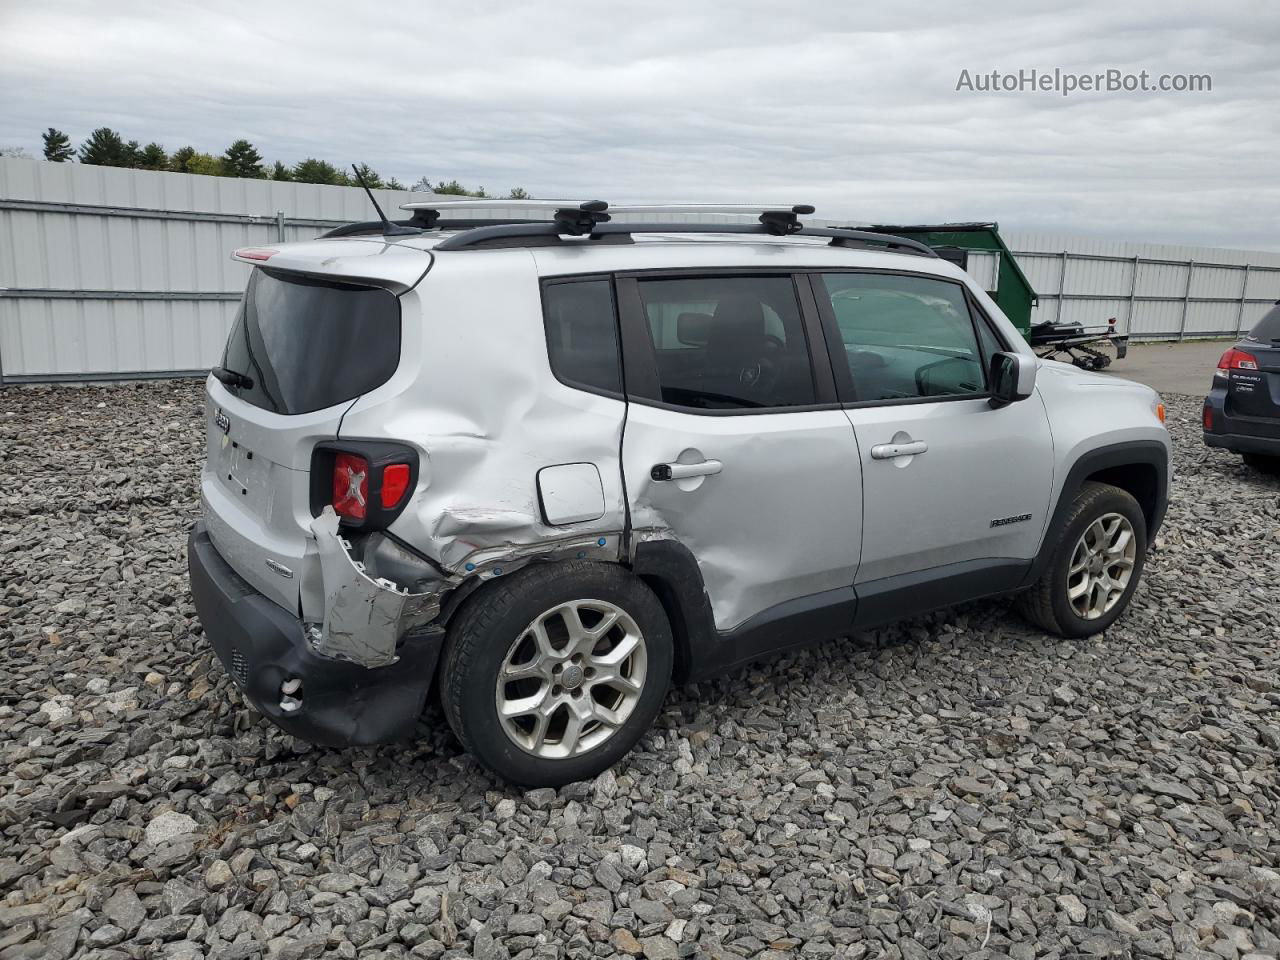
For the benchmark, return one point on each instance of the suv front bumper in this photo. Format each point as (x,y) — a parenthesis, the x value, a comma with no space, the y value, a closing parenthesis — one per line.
(263,646)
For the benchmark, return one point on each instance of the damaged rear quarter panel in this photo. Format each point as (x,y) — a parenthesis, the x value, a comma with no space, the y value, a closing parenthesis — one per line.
(486,414)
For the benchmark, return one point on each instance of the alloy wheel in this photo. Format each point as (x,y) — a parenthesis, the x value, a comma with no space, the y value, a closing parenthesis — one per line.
(571,679)
(1101,566)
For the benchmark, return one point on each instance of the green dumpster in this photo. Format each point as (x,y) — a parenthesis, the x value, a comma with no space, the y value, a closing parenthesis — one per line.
(979,243)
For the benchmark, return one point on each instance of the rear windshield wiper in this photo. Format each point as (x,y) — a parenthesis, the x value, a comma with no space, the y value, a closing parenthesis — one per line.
(232,378)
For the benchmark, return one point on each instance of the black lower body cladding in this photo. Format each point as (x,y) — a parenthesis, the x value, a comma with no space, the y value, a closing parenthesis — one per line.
(262,646)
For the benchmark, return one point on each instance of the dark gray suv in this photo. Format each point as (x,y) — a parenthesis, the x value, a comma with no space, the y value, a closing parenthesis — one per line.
(1242,410)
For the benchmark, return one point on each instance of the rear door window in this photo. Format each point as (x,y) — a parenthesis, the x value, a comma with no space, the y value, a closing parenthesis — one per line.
(309,344)
(724,343)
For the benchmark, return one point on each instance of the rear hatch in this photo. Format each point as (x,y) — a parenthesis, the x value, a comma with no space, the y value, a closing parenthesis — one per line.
(1254,386)
(311,336)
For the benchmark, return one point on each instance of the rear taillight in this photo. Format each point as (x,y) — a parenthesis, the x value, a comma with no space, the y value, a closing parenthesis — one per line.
(1207,417)
(350,486)
(366,482)
(1235,359)
(395,481)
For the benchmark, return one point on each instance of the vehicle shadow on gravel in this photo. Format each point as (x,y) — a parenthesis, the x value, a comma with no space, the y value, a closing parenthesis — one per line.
(876,667)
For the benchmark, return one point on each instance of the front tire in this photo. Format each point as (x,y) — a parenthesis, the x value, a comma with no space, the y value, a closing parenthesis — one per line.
(1097,560)
(553,674)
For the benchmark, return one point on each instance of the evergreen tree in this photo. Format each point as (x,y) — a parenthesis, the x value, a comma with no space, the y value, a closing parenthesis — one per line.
(242,160)
(134,151)
(393,184)
(57,146)
(451,189)
(105,148)
(312,170)
(153,157)
(519,193)
(280,172)
(370,175)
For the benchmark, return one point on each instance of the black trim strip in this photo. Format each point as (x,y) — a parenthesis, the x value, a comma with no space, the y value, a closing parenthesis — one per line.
(910,594)
(1151,453)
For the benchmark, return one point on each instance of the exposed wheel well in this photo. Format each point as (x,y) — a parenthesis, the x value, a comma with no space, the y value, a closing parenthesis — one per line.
(1140,480)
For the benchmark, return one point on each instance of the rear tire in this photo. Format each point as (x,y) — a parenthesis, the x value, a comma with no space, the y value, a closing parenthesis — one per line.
(1097,557)
(553,674)
(1262,462)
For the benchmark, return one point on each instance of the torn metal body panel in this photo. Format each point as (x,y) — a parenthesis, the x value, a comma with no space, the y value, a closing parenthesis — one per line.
(485,422)
(364,618)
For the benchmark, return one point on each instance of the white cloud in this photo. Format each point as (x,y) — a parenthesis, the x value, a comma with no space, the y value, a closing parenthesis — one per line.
(849,106)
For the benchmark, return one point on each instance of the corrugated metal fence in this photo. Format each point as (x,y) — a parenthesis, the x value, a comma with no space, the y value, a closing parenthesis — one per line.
(106,272)
(110,273)
(1155,291)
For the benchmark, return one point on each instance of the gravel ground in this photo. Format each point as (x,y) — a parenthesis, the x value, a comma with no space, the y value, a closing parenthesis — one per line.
(957,786)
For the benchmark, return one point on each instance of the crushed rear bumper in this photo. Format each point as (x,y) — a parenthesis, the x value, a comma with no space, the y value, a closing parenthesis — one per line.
(262,646)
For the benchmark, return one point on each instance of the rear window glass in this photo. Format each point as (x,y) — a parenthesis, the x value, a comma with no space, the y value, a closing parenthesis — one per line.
(1267,330)
(309,344)
(582,338)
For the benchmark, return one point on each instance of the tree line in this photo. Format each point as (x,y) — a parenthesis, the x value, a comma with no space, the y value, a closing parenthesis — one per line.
(107,148)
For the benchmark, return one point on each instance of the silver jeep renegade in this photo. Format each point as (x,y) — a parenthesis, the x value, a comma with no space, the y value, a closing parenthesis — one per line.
(549,468)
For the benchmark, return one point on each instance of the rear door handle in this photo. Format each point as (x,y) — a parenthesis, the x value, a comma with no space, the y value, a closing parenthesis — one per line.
(887,451)
(680,471)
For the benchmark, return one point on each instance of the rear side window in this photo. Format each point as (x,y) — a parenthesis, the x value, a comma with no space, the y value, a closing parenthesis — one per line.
(905,338)
(582,334)
(723,343)
(1267,330)
(310,344)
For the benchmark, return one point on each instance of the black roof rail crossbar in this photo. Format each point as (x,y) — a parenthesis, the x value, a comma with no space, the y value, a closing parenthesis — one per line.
(375,226)
(840,237)
(844,237)
(780,223)
(580,220)
(575,221)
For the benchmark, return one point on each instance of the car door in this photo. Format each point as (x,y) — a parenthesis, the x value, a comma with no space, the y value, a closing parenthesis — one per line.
(732,445)
(956,492)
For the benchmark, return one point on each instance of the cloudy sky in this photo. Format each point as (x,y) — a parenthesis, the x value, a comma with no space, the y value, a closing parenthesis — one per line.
(851,106)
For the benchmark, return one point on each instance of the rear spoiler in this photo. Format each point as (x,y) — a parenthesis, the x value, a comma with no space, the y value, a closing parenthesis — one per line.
(398,269)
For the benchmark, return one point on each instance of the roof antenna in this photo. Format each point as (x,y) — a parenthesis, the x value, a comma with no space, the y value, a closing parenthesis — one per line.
(389,229)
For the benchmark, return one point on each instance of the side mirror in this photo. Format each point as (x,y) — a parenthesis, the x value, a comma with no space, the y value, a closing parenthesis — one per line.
(1013,378)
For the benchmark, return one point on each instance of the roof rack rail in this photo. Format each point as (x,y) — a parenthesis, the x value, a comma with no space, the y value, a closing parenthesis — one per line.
(772,223)
(591,220)
(376,226)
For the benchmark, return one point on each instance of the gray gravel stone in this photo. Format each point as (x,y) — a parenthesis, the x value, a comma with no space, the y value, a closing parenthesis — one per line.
(918,791)
(169,826)
(125,910)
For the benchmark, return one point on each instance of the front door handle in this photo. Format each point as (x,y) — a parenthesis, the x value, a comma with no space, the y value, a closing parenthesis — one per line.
(681,471)
(887,451)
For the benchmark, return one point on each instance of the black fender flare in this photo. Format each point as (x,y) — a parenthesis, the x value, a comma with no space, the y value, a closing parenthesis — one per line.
(1112,457)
